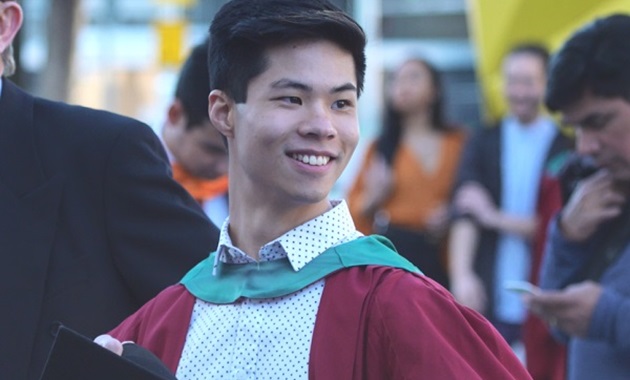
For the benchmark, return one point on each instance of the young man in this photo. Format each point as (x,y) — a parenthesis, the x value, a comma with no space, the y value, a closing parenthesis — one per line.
(587,265)
(91,224)
(498,189)
(507,189)
(294,291)
(196,148)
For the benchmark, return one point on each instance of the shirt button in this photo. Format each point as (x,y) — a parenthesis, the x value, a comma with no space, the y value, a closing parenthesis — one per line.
(239,374)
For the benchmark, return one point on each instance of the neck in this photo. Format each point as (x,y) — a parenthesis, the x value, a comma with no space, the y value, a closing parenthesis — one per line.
(417,121)
(254,223)
(527,120)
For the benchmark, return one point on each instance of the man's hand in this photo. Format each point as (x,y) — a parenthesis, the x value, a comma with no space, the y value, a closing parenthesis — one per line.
(569,310)
(595,200)
(111,343)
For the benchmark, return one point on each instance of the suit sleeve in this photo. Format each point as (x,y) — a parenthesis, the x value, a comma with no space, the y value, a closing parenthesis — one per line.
(160,325)
(156,231)
(563,261)
(470,164)
(427,333)
(564,265)
(610,321)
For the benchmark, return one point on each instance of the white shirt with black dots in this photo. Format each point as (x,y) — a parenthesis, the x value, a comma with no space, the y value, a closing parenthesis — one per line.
(264,338)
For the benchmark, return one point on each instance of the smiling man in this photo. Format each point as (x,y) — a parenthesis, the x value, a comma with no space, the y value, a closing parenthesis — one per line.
(587,266)
(294,291)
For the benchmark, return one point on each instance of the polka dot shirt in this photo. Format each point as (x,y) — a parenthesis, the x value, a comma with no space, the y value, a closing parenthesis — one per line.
(264,338)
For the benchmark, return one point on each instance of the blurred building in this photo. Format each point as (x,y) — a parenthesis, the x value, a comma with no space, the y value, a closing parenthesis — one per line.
(126,53)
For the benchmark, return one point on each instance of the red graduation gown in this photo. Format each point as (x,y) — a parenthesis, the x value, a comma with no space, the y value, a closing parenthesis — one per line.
(373,322)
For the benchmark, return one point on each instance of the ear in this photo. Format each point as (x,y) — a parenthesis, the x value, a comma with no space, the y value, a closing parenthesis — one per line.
(176,114)
(10,23)
(221,109)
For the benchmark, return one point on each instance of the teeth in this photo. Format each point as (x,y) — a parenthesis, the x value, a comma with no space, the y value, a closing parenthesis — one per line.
(312,159)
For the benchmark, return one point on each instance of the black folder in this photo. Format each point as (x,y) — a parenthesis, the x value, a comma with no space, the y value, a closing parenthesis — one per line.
(76,357)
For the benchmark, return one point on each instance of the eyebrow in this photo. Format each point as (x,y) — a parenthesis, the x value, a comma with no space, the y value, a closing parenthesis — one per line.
(589,119)
(288,83)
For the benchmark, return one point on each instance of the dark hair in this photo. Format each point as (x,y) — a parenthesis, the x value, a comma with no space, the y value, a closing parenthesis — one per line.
(242,30)
(389,137)
(595,58)
(193,85)
(533,48)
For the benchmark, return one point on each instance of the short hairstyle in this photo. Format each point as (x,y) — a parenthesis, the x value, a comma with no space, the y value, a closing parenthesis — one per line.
(243,30)
(596,58)
(533,48)
(193,86)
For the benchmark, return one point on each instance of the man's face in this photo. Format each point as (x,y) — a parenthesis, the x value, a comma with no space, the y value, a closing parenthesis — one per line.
(603,132)
(524,85)
(199,149)
(297,130)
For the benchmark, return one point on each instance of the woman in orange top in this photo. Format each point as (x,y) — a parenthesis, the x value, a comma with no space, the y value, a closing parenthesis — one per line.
(402,189)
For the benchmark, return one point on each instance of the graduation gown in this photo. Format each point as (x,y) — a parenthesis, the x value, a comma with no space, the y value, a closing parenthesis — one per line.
(373,322)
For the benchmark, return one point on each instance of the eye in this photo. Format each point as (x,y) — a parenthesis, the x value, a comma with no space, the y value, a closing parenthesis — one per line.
(598,122)
(342,104)
(290,100)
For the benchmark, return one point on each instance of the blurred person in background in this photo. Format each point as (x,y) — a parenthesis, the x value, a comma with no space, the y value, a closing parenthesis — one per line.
(91,223)
(403,187)
(196,149)
(586,272)
(498,197)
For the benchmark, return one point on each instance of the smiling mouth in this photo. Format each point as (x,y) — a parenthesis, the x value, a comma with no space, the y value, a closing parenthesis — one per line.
(311,159)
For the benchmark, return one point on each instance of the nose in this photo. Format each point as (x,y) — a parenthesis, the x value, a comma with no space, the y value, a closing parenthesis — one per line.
(319,123)
(587,142)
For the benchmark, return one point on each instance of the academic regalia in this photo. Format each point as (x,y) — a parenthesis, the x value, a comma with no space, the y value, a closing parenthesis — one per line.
(384,321)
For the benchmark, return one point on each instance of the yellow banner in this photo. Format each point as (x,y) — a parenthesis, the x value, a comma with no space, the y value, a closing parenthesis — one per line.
(496,25)
(171,37)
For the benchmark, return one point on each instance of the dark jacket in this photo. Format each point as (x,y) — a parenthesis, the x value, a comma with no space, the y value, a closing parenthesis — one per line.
(481,162)
(91,224)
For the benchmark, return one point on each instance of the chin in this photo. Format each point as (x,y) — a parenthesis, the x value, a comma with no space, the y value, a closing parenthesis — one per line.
(311,197)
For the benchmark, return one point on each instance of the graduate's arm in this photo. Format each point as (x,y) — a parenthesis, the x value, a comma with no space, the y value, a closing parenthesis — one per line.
(425,332)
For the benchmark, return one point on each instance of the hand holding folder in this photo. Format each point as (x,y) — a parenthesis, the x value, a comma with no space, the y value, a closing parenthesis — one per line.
(76,357)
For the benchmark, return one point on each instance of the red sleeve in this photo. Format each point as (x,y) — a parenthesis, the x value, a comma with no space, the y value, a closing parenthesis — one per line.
(428,335)
(160,325)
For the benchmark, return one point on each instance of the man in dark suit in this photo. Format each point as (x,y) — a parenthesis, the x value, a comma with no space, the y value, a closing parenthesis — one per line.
(503,189)
(91,223)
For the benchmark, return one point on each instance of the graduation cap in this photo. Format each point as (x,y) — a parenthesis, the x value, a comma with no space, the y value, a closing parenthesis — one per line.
(76,357)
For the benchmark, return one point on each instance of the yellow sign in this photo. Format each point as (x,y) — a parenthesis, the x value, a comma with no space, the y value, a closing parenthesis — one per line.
(171,37)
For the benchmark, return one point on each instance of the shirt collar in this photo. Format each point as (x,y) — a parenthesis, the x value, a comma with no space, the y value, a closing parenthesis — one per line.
(301,244)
